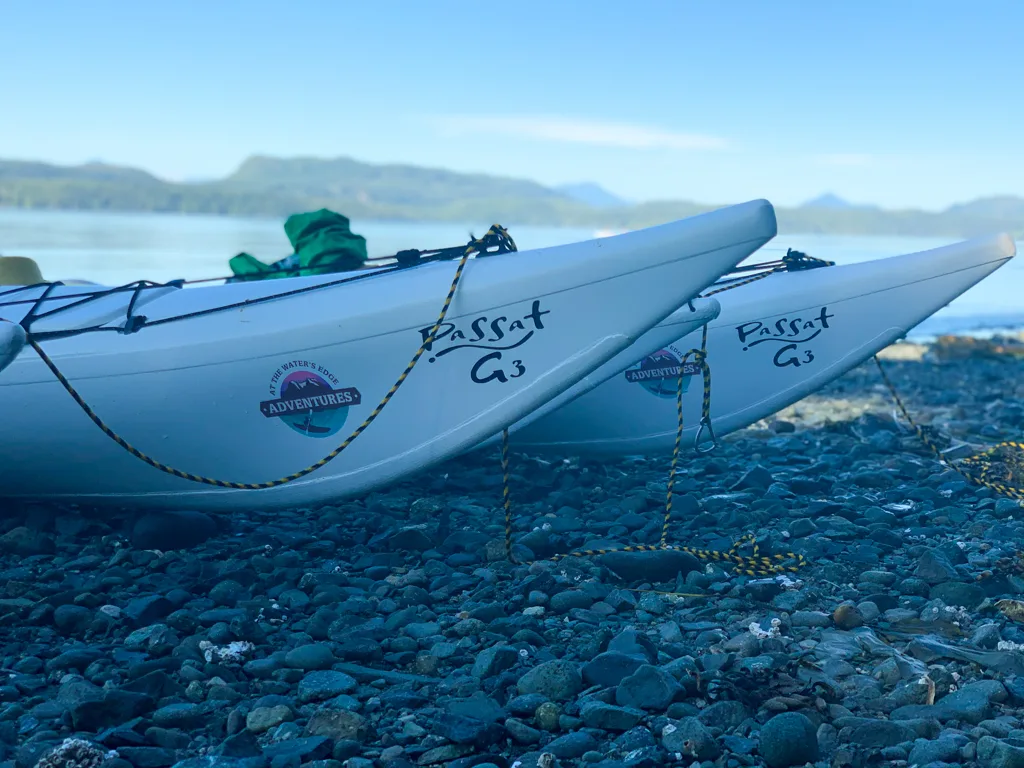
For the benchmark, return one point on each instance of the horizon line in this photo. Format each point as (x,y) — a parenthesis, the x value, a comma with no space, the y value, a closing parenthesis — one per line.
(846,205)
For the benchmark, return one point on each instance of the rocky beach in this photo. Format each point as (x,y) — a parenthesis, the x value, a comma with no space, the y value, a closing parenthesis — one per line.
(392,631)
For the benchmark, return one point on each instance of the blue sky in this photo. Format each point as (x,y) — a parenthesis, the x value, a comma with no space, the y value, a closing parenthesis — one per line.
(904,104)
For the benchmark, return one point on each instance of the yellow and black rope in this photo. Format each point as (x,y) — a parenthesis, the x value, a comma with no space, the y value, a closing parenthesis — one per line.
(740,284)
(109,432)
(755,564)
(793,261)
(506,495)
(983,468)
(980,469)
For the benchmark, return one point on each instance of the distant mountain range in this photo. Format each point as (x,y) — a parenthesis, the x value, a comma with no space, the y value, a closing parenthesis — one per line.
(591,194)
(269,186)
(834,202)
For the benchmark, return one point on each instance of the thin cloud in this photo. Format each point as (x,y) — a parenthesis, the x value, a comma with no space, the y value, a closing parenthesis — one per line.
(844,159)
(572,131)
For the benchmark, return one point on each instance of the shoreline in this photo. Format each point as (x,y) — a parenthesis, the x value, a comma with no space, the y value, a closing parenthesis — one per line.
(391,631)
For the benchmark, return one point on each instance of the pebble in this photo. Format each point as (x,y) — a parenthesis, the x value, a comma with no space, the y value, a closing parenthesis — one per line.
(318,686)
(558,680)
(572,745)
(647,688)
(390,630)
(690,738)
(263,719)
(996,753)
(611,668)
(597,714)
(788,739)
(847,616)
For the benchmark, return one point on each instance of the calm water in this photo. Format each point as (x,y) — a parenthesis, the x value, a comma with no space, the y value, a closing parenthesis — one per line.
(113,248)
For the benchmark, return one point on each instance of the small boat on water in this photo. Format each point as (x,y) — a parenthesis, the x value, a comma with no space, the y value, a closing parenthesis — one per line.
(249,382)
(774,342)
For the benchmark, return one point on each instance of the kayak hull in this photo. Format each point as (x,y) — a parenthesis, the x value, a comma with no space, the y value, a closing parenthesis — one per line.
(268,388)
(774,342)
(696,314)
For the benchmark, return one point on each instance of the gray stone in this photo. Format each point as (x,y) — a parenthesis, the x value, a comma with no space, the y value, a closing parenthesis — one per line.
(723,714)
(445,754)
(791,600)
(941,750)
(810,619)
(934,567)
(184,716)
(610,668)
(658,566)
(993,753)
(241,744)
(914,586)
(548,716)
(325,684)
(877,734)
(466,730)
(525,706)
(788,739)
(369,674)
(958,593)
(557,680)
(563,602)
(262,719)
(157,639)
(869,611)
(91,709)
(648,688)
(973,702)
(421,629)
(632,643)
(879,515)
(572,745)
(72,619)
(145,610)
(757,477)
(26,542)
(310,656)
(801,527)
(339,724)
(597,714)
(690,738)
(522,733)
(986,636)
(414,538)
(478,706)
(302,750)
(494,660)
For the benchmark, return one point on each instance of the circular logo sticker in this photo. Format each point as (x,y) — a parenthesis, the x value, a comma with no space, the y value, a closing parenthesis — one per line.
(659,373)
(307,398)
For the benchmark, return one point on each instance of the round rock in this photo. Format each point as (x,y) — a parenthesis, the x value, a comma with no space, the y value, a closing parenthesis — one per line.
(788,739)
(557,680)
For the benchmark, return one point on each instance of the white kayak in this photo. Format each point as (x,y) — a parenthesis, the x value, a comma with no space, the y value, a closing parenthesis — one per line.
(775,341)
(266,388)
(691,317)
